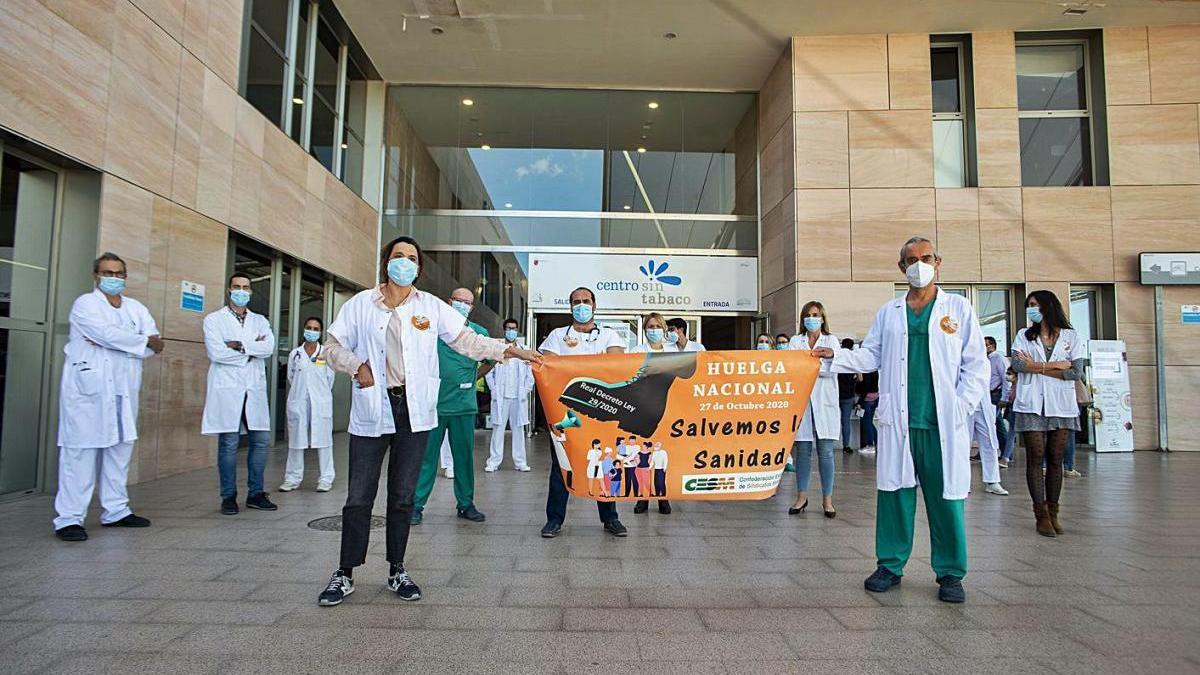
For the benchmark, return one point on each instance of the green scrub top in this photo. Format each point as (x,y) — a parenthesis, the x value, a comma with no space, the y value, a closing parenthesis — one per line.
(457,370)
(922,406)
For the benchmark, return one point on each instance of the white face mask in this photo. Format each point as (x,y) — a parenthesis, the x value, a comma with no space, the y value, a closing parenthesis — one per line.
(920,274)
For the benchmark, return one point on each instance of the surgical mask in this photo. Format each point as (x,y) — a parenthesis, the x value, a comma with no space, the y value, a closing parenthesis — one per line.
(919,274)
(582,313)
(1034,314)
(510,334)
(812,323)
(458,305)
(654,335)
(402,271)
(240,297)
(111,285)
(764,346)
(312,335)
(781,345)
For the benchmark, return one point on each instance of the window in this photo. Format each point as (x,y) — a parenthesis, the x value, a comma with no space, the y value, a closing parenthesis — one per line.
(949,115)
(993,308)
(1054,100)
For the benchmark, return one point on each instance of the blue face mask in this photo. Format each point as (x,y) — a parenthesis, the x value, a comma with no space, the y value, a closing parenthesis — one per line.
(111,285)
(1034,314)
(240,297)
(402,271)
(764,346)
(781,345)
(654,335)
(812,323)
(510,334)
(458,305)
(312,335)
(582,313)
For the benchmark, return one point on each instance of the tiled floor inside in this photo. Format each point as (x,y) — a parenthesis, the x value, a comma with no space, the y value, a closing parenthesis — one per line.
(713,587)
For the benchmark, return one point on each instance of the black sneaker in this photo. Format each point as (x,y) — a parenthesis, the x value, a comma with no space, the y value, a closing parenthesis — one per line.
(416,517)
(229,506)
(551,529)
(882,580)
(336,591)
(472,514)
(664,506)
(402,584)
(642,506)
(950,589)
(260,502)
(615,528)
(128,521)
(71,533)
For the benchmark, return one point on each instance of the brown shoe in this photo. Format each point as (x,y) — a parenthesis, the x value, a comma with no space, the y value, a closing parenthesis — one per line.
(1052,511)
(1044,527)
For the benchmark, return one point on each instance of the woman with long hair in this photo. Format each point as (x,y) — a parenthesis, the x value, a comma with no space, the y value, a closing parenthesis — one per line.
(1048,357)
(822,425)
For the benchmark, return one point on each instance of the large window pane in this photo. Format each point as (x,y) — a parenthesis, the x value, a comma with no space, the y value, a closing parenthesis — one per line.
(27,200)
(321,134)
(297,106)
(301,59)
(1051,77)
(356,99)
(943,65)
(949,156)
(265,78)
(352,159)
(1055,151)
(325,67)
(994,316)
(1083,313)
(272,17)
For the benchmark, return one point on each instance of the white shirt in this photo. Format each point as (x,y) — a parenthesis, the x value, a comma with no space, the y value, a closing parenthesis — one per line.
(512,382)
(567,341)
(664,347)
(659,459)
(1043,395)
(823,402)
(691,346)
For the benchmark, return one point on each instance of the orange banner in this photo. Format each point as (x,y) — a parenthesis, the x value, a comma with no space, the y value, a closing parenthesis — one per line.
(690,425)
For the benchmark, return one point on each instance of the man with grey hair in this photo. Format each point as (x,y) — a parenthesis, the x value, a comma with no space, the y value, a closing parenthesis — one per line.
(928,349)
(110,336)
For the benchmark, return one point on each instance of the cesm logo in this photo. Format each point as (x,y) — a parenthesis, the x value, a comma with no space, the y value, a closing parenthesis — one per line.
(713,484)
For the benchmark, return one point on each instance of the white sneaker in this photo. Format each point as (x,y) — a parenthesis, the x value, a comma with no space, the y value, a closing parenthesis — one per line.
(522,469)
(868,450)
(995,488)
(449,472)
(324,486)
(1003,463)
(1072,473)
(288,486)
(490,469)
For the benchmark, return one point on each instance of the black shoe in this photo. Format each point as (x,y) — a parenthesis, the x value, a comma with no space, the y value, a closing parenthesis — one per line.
(950,589)
(615,528)
(71,533)
(975,458)
(642,506)
(551,530)
(848,450)
(416,517)
(128,521)
(664,506)
(260,502)
(882,580)
(338,588)
(229,506)
(798,509)
(472,514)
(829,514)
(402,584)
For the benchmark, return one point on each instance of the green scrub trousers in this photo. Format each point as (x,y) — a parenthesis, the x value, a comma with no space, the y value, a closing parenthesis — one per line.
(896,510)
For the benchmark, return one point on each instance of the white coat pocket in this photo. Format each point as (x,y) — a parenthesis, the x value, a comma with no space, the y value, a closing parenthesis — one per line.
(884,414)
(87,379)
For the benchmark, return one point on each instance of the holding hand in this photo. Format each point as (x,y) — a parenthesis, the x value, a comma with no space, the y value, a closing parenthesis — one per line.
(515,352)
(822,353)
(364,377)
(235,345)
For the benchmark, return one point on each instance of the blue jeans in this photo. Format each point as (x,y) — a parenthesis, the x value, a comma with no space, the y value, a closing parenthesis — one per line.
(847,406)
(256,461)
(869,434)
(803,453)
(1009,443)
(1001,429)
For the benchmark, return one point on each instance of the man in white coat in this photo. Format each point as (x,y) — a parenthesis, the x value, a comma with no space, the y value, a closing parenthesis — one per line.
(928,349)
(110,335)
(677,333)
(510,384)
(238,342)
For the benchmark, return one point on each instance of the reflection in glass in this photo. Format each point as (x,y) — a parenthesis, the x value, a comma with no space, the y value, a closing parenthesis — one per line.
(264,78)
(325,66)
(1083,313)
(943,65)
(297,104)
(992,310)
(1051,77)
(271,17)
(321,134)
(949,154)
(27,201)
(1055,151)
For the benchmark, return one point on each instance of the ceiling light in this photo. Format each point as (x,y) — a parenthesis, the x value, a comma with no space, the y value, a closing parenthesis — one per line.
(467,101)
(298,101)
(641,150)
(345,146)
(422,16)
(478,134)
(437,30)
(485,146)
(628,207)
(670,36)
(508,205)
(1074,11)
(653,105)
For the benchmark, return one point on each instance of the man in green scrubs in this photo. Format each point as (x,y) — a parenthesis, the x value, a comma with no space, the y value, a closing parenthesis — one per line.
(456,411)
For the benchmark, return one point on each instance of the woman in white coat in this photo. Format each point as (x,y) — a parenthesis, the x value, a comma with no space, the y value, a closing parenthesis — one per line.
(654,327)
(309,409)
(821,426)
(1049,358)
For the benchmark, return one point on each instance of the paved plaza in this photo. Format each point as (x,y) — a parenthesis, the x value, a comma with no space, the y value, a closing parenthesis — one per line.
(714,587)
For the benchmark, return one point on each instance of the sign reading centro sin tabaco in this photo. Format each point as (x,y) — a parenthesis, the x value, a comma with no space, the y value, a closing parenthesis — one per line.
(663,283)
(691,425)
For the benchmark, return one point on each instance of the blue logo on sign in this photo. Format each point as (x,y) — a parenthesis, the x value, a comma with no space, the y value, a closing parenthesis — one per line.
(656,273)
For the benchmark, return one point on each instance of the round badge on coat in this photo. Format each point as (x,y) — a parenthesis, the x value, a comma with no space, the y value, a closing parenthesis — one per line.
(420,322)
(571,342)
(949,325)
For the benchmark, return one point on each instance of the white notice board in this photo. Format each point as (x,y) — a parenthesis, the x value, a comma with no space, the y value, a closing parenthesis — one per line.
(1113,404)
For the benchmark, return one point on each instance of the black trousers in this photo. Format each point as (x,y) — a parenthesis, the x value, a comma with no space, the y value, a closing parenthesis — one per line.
(407,452)
(556,498)
(630,482)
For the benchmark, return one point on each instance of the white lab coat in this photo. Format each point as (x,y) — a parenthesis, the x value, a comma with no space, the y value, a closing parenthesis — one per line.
(691,346)
(823,402)
(236,379)
(104,354)
(960,380)
(310,400)
(644,348)
(497,379)
(1042,395)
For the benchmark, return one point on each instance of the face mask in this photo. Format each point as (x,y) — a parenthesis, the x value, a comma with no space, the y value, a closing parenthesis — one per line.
(1034,314)
(240,297)
(813,323)
(781,345)
(312,335)
(511,335)
(582,313)
(458,305)
(654,335)
(402,271)
(111,285)
(764,346)
(919,274)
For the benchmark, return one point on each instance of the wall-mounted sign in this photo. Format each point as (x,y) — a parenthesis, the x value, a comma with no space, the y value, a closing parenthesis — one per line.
(191,296)
(1189,314)
(1169,269)
(1112,403)
(645,283)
